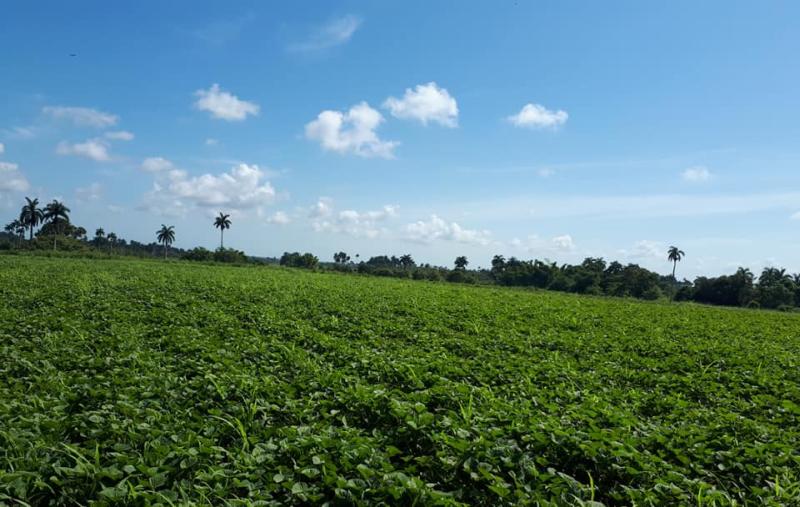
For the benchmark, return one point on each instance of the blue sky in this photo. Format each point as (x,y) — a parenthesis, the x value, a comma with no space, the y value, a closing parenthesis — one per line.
(536,129)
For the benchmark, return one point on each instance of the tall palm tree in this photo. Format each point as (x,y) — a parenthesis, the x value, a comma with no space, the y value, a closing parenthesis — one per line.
(674,254)
(222,222)
(166,235)
(57,214)
(31,215)
(112,240)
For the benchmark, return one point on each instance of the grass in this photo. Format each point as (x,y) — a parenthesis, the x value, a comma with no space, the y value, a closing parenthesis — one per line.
(140,382)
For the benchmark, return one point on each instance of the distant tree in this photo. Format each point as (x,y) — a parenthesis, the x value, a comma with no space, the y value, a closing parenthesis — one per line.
(99,236)
(222,222)
(79,233)
(112,241)
(31,215)
(407,261)
(674,254)
(16,229)
(341,258)
(461,262)
(297,260)
(57,214)
(166,236)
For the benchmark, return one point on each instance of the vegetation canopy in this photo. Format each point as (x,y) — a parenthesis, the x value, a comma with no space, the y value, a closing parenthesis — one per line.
(144,382)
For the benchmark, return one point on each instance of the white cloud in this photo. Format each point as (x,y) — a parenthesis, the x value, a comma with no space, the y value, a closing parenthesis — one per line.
(279,218)
(644,249)
(112,208)
(156,164)
(121,135)
(351,132)
(211,141)
(438,229)
(696,174)
(563,243)
(335,32)
(11,179)
(22,133)
(545,172)
(535,245)
(323,208)
(92,192)
(2,148)
(353,223)
(223,105)
(82,116)
(95,149)
(795,215)
(538,116)
(425,103)
(242,188)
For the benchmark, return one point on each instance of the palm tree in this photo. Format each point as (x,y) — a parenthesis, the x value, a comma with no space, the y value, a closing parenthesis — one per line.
(112,240)
(461,262)
(31,215)
(222,222)
(674,254)
(57,214)
(166,235)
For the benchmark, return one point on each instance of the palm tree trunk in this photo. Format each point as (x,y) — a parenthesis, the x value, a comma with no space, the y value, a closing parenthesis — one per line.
(165,251)
(674,265)
(221,236)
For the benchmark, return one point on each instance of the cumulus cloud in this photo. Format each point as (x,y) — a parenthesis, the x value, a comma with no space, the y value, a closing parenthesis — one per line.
(322,208)
(95,149)
(336,31)
(696,174)
(82,116)
(156,164)
(279,218)
(120,135)
(11,179)
(436,228)
(241,189)
(540,246)
(425,103)
(645,249)
(538,116)
(92,192)
(223,105)
(351,132)
(563,243)
(354,223)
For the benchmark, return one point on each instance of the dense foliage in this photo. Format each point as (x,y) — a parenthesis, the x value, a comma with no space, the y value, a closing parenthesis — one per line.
(145,382)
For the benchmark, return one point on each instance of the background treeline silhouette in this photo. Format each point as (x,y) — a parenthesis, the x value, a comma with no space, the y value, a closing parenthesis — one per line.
(774,288)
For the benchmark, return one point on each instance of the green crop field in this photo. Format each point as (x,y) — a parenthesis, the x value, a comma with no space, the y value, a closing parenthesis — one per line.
(135,382)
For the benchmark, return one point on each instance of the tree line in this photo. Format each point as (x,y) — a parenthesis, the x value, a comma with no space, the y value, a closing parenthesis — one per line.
(50,227)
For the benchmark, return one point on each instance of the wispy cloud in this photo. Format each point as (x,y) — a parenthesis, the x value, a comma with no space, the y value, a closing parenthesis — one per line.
(222,31)
(81,116)
(696,174)
(335,32)
(95,149)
